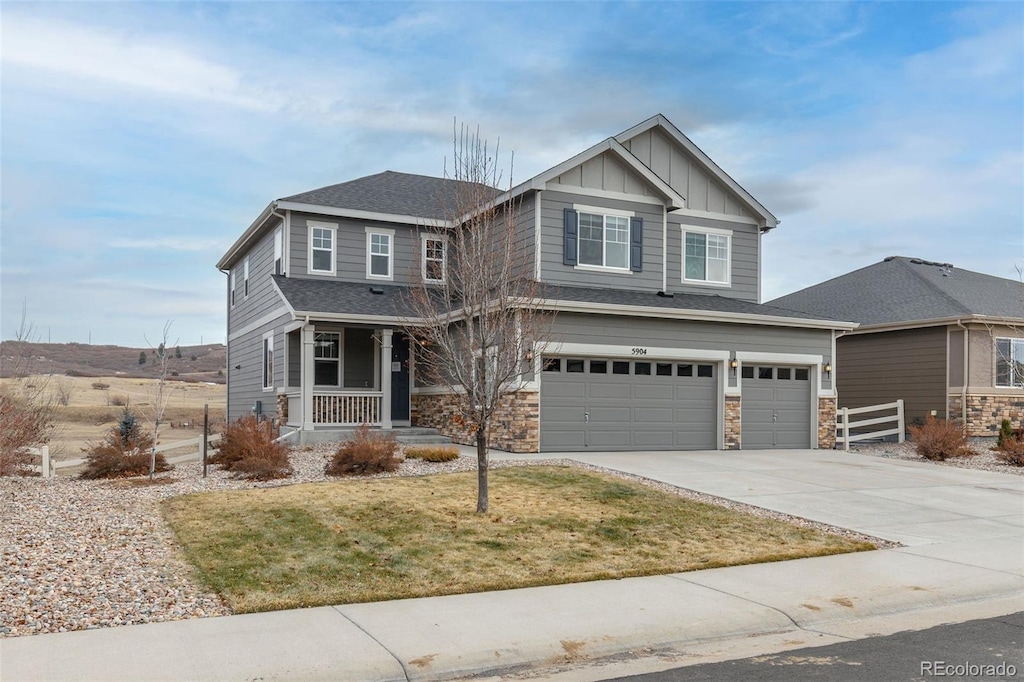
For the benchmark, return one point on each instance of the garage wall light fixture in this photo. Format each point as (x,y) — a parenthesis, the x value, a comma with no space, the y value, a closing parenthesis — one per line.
(733,364)
(828,368)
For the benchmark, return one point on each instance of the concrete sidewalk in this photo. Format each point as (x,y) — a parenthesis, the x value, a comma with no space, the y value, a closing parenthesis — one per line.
(964,532)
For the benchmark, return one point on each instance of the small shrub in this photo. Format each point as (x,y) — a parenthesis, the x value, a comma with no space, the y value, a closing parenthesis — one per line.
(939,439)
(119,400)
(1011,451)
(432,453)
(126,451)
(247,448)
(23,424)
(192,358)
(174,373)
(100,386)
(367,452)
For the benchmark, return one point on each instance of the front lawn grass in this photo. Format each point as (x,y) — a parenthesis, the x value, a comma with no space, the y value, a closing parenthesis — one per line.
(371,540)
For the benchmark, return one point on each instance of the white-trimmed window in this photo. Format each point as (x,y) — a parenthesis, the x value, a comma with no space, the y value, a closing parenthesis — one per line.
(278,251)
(1010,363)
(326,358)
(379,253)
(434,258)
(706,255)
(321,247)
(603,240)
(231,292)
(268,361)
(245,278)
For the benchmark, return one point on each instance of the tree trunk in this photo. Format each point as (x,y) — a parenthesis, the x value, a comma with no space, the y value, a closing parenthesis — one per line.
(481,470)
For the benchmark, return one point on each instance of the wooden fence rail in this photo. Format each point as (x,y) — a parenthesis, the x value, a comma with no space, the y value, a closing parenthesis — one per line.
(49,466)
(844,425)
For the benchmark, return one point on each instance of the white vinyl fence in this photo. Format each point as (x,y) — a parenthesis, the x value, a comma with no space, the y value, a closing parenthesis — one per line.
(49,467)
(844,425)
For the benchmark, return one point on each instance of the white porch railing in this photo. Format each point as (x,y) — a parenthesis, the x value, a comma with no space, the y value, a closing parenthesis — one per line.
(347,409)
(844,425)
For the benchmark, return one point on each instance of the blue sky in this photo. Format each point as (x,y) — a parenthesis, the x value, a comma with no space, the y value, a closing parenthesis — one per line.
(140,139)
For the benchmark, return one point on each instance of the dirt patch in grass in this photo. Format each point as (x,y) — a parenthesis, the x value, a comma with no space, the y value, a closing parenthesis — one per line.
(358,541)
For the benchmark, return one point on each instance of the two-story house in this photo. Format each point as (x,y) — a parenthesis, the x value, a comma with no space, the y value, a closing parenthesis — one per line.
(647,250)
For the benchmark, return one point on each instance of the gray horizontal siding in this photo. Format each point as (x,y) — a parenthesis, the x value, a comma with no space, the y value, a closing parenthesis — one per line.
(245,384)
(262,298)
(744,258)
(880,368)
(350,248)
(554,271)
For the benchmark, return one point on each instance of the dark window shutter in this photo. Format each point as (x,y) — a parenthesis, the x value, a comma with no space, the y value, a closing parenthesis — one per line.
(636,244)
(570,237)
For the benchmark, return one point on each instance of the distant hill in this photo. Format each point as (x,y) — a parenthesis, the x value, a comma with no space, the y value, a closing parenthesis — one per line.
(197,363)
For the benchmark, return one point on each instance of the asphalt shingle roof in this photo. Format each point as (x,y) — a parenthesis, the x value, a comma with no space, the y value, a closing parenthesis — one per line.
(390,192)
(357,298)
(901,289)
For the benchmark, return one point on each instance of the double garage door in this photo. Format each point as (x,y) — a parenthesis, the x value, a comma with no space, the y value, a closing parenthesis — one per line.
(601,404)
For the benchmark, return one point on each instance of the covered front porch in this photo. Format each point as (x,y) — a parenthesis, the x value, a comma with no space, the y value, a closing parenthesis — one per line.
(341,376)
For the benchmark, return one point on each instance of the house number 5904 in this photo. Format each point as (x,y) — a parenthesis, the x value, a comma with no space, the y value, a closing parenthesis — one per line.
(639,351)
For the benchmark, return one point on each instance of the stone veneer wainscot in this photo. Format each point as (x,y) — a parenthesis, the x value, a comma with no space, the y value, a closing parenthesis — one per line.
(986,412)
(515,428)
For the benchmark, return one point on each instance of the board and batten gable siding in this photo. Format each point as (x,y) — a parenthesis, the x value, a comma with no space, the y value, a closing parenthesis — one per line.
(245,384)
(553,269)
(350,248)
(684,174)
(883,367)
(743,255)
(603,172)
(627,331)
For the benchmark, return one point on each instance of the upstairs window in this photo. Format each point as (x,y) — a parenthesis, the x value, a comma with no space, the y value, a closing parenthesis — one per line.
(434,258)
(231,289)
(321,248)
(379,253)
(1010,363)
(706,256)
(268,360)
(278,251)
(245,278)
(602,238)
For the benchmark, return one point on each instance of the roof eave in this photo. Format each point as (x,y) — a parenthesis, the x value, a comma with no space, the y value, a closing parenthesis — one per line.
(230,255)
(938,322)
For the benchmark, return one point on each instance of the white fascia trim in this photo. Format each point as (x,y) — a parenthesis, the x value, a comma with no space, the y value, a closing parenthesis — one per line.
(256,324)
(683,314)
(676,200)
(614,351)
(779,358)
(605,194)
(364,215)
(667,127)
(601,210)
(293,325)
(691,213)
(314,316)
(937,322)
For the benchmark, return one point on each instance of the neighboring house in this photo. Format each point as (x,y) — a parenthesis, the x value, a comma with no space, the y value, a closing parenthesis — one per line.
(949,342)
(647,250)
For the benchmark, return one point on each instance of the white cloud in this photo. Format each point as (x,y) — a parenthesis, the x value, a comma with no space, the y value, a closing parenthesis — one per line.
(183,243)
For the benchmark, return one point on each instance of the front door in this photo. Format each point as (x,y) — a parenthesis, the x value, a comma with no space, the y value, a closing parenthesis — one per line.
(400,378)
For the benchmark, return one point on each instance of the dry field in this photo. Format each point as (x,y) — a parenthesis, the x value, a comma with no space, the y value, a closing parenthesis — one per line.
(95,403)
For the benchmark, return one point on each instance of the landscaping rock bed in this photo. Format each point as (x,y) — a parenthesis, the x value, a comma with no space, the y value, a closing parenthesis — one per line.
(984,458)
(79,555)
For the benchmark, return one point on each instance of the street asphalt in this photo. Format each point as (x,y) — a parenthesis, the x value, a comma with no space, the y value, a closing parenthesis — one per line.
(963,558)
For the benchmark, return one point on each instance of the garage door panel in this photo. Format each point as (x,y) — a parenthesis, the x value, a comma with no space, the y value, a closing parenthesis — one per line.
(627,411)
(776,412)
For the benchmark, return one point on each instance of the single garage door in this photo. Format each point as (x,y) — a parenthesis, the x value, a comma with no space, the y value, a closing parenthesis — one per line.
(776,407)
(600,404)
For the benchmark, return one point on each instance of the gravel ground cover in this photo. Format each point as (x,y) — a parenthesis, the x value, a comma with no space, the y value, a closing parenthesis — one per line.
(984,457)
(78,555)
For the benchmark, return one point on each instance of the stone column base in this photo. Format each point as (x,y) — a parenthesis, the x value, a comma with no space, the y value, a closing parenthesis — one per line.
(733,426)
(826,423)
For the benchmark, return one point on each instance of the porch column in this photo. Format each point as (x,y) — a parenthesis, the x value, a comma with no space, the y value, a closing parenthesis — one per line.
(385,378)
(307,378)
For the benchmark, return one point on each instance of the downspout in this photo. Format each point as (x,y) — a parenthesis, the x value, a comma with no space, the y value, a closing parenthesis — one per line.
(227,347)
(967,359)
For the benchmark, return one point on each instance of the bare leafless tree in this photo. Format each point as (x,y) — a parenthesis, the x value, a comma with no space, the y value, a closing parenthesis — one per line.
(163,393)
(475,316)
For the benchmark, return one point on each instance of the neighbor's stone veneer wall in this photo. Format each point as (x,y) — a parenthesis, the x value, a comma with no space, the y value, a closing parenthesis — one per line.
(986,412)
(826,423)
(733,425)
(516,427)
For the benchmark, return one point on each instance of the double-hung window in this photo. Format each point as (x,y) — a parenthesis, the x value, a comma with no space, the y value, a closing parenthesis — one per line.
(379,253)
(1010,363)
(326,358)
(706,255)
(278,251)
(231,293)
(434,258)
(321,247)
(245,278)
(604,240)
